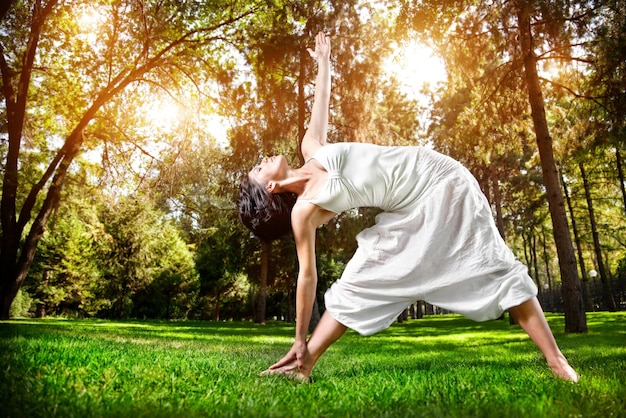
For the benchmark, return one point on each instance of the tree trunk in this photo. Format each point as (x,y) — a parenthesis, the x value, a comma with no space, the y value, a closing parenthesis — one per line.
(217,306)
(587,303)
(290,315)
(604,278)
(533,251)
(620,173)
(419,309)
(11,276)
(497,202)
(315,315)
(575,320)
(262,299)
(546,261)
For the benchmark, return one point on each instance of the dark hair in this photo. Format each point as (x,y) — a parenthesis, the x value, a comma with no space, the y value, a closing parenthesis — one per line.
(267,215)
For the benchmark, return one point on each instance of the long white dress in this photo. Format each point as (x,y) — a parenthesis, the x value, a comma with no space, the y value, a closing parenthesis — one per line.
(435,241)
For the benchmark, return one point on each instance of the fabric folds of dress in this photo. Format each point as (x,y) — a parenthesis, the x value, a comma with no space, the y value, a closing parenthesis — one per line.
(435,240)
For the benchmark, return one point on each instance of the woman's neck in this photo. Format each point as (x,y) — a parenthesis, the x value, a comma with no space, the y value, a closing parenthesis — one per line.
(302,180)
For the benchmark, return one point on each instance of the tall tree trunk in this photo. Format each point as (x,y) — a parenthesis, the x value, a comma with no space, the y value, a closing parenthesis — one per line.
(315,315)
(291,305)
(604,278)
(497,202)
(620,173)
(579,249)
(419,309)
(530,255)
(546,261)
(262,299)
(11,276)
(575,320)
(535,258)
(218,301)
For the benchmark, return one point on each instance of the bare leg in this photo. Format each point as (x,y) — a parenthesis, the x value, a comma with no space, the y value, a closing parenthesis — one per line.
(327,331)
(530,317)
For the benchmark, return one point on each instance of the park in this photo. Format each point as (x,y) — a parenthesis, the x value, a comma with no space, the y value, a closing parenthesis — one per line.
(134,282)
(439,366)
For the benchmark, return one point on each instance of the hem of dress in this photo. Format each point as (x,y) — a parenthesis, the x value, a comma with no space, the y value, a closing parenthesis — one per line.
(516,302)
(503,307)
(346,322)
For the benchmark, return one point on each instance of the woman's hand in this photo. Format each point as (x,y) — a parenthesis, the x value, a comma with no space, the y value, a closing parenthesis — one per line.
(294,356)
(290,366)
(322,47)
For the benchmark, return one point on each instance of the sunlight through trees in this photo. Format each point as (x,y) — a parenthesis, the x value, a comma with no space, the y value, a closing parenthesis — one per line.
(169,104)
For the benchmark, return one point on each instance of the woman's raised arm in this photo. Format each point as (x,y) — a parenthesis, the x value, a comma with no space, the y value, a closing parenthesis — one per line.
(315,135)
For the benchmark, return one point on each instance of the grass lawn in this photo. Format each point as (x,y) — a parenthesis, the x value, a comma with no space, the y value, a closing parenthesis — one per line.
(441,366)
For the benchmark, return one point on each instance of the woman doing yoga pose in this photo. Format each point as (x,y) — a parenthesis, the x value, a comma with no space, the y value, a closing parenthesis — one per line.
(435,240)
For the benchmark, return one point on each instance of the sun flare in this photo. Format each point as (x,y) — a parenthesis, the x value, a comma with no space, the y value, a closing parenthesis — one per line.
(415,66)
(162,113)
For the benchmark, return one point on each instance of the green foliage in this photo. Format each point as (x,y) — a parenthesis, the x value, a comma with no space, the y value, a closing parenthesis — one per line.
(247,61)
(22,305)
(66,276)
(125,259)
(174,289)
(85,72)
(443,366)
(145,254)
(219,260)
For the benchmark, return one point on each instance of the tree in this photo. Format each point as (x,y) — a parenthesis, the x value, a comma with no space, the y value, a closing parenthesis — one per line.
(149,44)
(572,294)
(65,274)
(175,285)
(513,32)
(219,258)
(133,228)
(4,8)
(604,277)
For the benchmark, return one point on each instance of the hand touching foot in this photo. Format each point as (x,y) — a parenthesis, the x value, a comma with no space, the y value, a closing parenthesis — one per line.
(290,371)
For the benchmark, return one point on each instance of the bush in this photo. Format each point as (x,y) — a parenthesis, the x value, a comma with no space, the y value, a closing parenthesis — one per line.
(20,308)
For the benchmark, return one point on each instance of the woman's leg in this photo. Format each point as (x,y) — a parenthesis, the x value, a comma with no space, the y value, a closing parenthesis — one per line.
(327,331)
(530,317)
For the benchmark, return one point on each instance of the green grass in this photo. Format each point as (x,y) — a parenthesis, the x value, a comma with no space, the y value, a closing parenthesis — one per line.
(443,366)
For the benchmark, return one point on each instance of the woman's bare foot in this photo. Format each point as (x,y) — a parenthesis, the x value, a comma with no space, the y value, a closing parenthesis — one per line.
(563,370)
(290,371)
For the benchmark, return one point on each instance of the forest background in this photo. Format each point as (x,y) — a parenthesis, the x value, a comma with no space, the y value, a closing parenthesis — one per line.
(127,126)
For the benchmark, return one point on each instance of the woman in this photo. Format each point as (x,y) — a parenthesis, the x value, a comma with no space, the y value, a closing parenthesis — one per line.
(435,239)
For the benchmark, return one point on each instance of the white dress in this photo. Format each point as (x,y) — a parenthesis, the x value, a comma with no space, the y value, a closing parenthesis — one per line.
(436,240)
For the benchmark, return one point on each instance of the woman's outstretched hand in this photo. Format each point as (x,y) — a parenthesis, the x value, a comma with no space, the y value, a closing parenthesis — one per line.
(322,47)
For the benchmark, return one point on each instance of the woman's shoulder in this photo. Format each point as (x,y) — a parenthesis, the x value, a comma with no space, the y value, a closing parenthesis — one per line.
(306,213)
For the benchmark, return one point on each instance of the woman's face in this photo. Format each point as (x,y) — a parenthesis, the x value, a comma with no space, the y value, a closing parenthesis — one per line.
(269,169)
